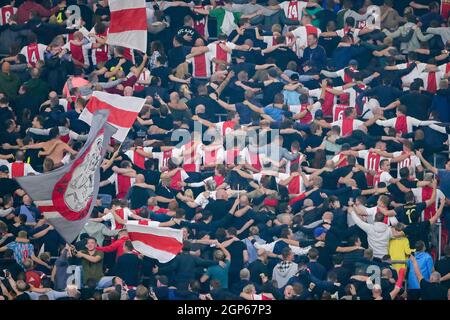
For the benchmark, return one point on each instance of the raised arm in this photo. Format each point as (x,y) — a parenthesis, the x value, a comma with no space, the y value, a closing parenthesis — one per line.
(426,163)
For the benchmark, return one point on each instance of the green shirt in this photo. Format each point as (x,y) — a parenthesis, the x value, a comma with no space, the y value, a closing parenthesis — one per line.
(9,84)
(90,269)
(219,273)
(313,11)
(219,14)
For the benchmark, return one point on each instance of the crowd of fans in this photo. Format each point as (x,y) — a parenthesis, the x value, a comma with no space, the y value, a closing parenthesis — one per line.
(316,165)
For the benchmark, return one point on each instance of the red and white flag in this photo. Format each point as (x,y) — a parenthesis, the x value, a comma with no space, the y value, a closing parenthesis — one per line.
(128,24)
(66,196)
(155,242)
(123,111)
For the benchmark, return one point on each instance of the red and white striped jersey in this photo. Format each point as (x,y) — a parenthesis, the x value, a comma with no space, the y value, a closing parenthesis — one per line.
(100,54)
(289,163)
(145,76)
(404,124)
(382,177)
(5,14)
(431,80)
(34,52)
(302,33)
(371,162)
(79,53)
(293,9)
(201,65)
(343,75)
(213,156)
(424,194)
(329,100)
(201,25)
(136,158)
(296,186)
(347,125)
(338,111)
(122,184)
(18,169)
(192,160)
(270,41)
(123,213)
(444,68)
(371,159)
(340,160)
(252,158)
(220,54)
(309,117)
(411,162)
(225,127)
(164,156)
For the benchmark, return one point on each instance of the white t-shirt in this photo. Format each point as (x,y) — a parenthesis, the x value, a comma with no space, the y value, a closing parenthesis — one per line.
(415,73)
(371,212)
(203,201)
(385,177)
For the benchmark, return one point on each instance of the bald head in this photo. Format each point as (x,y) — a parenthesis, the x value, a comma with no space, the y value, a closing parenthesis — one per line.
(435,277)
(140,178)
(128,91)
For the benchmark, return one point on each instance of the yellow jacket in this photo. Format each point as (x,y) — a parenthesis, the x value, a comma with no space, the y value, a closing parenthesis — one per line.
(399,251)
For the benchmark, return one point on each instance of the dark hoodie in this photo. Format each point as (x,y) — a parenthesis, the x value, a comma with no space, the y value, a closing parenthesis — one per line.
(38,88)
(441,105)
(9,84)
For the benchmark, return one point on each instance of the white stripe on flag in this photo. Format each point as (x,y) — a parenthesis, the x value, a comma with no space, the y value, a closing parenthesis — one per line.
(152,241)
(51,215)
(120,107)
(152,228)
(134,39)
(120,134)
(42,203)
(116,5)
(122,103)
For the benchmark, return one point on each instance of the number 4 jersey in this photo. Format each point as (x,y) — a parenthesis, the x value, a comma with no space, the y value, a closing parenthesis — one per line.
(34,52)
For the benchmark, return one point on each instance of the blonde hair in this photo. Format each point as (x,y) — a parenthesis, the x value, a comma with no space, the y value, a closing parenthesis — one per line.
(249,289)
(189,193)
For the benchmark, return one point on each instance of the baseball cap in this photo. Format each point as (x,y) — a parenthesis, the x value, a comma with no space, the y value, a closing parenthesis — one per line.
(353,62)
(319,231)
(4,168)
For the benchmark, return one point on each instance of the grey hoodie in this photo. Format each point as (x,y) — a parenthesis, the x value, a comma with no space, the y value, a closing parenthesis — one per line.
(283,271)
(378,235)
(98,231)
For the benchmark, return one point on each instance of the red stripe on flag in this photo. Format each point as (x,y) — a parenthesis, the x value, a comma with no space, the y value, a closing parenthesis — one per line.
(128,20)
(118,117)
(167,244)
(46,208)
